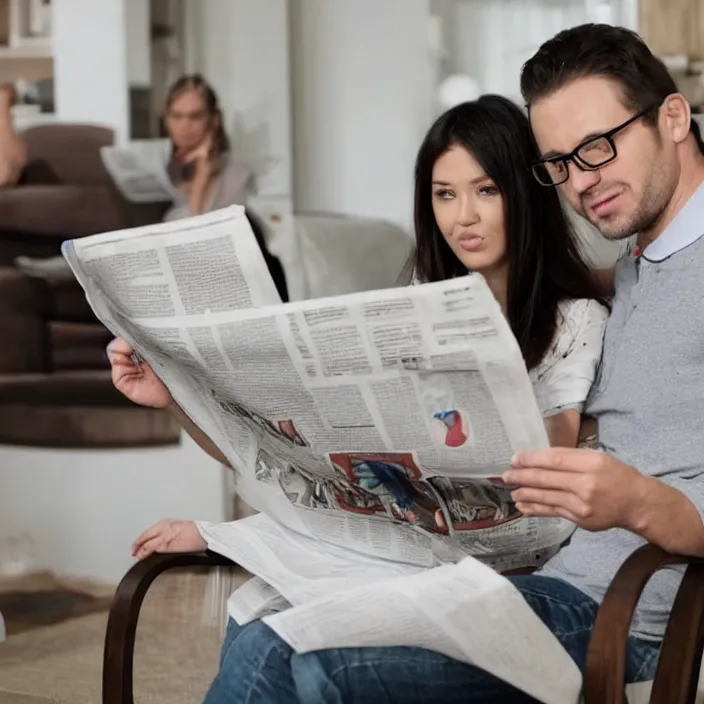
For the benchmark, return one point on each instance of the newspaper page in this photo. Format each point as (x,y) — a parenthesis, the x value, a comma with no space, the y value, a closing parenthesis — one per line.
(466,611)
(139,170)
(316,600)
(369,430)
(380,421)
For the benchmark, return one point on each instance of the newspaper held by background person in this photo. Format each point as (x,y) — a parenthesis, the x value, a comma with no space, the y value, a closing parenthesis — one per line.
(139,170)
(370,430)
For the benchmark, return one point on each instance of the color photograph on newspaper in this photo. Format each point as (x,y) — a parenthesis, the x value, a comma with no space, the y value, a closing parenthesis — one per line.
(392,484)
(387,485)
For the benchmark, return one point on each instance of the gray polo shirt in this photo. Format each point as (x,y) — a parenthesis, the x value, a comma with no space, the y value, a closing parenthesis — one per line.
(648,399)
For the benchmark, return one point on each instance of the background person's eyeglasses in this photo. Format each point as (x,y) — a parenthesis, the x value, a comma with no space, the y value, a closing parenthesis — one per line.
(591,154)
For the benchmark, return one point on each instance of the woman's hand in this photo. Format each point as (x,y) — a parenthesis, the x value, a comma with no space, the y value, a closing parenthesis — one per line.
(169,536)
(205,159)
(136,380)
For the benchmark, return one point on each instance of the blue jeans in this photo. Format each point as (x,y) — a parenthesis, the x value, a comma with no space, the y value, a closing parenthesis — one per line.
(258,667)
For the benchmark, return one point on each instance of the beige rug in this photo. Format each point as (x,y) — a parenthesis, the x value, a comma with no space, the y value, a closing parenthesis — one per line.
(42,599)
(178,643)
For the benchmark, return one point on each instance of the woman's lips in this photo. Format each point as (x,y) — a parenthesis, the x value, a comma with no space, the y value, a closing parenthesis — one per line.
(471,243)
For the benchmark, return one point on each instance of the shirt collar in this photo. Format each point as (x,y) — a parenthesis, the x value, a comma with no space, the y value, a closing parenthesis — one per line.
(686,228)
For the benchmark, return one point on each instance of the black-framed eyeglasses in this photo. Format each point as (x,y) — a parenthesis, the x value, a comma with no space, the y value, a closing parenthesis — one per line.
(591,154)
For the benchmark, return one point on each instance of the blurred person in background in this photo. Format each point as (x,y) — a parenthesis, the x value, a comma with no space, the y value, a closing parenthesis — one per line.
(201,168)
(13,151)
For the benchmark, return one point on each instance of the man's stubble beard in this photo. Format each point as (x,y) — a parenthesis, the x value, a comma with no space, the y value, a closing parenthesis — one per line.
(657,193)
(652,204)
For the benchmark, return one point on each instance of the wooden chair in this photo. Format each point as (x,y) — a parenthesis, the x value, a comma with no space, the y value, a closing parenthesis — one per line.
(676,679)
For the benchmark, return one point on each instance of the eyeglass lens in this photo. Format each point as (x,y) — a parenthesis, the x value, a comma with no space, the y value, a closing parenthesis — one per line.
(591,155)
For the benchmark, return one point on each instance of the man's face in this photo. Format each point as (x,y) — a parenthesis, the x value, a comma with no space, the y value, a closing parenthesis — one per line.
(629,193)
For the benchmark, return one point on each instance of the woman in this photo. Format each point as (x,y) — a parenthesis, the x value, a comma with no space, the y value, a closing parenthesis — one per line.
(204,172)
(477,209)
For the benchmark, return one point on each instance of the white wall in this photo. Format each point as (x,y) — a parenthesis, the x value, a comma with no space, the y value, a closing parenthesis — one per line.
(83,509)
(362,87)
(90,62)
(243,52)
(491,41)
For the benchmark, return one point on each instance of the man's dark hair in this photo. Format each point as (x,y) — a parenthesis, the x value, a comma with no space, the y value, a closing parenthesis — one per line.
(601,50)
(545,264)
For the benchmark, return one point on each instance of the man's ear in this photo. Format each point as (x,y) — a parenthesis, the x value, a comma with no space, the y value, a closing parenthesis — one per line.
(676,115)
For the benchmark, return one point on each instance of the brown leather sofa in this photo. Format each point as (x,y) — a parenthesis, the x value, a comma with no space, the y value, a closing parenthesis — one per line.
(55,387)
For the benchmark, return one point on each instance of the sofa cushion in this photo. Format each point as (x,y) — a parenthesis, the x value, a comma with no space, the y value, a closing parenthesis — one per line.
(71,152)
(78,345)
(86,427)
(62,388)
(77,409)
(26,336)
(67,301)
(38,171)
(328,255)
(64,211)
(16,243)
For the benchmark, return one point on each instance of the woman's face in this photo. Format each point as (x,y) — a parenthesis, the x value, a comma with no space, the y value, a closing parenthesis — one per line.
(469,211)
(187,120)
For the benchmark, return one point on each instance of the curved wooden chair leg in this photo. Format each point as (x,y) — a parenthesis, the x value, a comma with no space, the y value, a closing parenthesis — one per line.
(604,681)
(118,655)
(677,675)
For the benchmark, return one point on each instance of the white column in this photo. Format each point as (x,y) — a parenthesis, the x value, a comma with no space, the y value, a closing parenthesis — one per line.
(629,14)
(362,99)
(138,37)
(90,63)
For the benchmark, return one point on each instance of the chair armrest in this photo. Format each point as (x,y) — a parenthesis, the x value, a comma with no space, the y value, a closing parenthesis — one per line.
(677,676)
(604,680)
(118,655)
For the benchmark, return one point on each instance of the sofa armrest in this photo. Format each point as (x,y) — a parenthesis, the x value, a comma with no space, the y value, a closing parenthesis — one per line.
(678,667)
(65,211)
(118,655)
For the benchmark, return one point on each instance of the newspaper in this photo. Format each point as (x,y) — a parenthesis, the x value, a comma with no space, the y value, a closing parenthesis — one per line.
(369,430)
(139,170)
(466,611)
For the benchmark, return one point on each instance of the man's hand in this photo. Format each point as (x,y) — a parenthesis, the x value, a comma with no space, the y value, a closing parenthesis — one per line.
(590,488)
(597,492)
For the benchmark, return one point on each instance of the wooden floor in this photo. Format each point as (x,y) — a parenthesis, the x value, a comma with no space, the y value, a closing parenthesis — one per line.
(177,648)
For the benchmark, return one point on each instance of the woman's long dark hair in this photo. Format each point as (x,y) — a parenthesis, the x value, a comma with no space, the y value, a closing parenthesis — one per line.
(545,264)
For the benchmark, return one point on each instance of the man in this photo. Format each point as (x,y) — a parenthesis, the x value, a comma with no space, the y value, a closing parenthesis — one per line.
(617,140)
(616,137)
